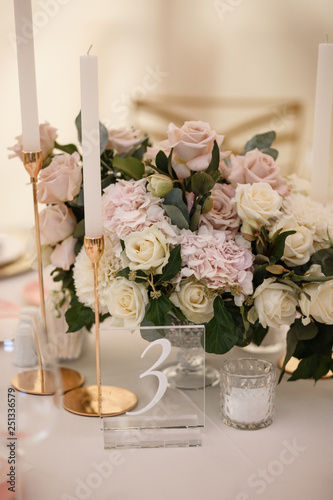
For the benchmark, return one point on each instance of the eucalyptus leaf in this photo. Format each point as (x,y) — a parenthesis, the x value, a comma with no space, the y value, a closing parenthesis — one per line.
(271,152)
(79,229)
(103,133)
(67,148)
(161,162)
(260,141)
(132,167)
(315,366)
(176,216)
(291,346)
(175,198)
(279,245)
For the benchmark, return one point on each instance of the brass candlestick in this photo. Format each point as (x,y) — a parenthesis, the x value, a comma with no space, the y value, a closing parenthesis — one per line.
(97,400)
(40,381)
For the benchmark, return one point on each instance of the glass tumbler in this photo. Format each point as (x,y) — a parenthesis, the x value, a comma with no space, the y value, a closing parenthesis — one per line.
(247,393)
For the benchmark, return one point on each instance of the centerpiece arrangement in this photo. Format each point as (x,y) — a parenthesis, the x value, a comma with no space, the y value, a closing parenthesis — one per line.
(193,234)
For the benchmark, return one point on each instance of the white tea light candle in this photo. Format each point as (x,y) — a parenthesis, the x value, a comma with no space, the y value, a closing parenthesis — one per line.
(27,75)
(247,393)
(91,147)
(322,123)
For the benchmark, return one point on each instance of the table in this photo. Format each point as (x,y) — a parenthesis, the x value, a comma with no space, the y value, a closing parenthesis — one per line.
(291,459)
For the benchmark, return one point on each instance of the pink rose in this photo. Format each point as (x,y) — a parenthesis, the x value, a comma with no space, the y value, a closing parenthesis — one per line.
(192,146)
(123,140)
(63,255)
(48,136)
(57,222)
(256,166)
(61,180)
(223,215)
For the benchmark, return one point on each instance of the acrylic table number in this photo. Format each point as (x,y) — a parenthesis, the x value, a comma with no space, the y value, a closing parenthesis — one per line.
(165,416)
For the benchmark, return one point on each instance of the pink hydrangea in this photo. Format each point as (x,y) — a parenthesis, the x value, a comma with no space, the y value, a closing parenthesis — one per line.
(221,263)
(128,207)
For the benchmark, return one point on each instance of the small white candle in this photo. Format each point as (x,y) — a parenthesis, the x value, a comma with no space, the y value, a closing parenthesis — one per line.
(322,123)
(247,406)
(27,75)
(90,147)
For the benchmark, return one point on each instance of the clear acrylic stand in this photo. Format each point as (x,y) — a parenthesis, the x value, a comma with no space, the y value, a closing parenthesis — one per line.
(165,415)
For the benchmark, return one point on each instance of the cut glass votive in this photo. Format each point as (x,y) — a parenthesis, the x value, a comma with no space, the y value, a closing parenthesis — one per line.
(247,393)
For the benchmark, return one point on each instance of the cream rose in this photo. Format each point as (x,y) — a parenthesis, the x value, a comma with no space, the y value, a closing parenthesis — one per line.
(47,135)
(146,249)
(258,202)
(123,140)
(193,302)
(298,246)
(57,222)
(63,255)
(61,180)
(192,146)
(320,307)
(274,304)
(126,302)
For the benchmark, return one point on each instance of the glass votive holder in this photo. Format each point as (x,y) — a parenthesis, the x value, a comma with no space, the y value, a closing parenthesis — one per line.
(247,393)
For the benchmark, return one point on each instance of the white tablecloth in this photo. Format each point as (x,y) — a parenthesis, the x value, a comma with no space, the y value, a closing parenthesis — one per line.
(290,460)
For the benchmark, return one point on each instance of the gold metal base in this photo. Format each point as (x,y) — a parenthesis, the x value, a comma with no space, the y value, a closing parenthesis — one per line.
(292,365)
(84,401)
(31,382)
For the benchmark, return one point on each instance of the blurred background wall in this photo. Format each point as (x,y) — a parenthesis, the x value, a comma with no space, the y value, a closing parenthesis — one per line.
(235,63)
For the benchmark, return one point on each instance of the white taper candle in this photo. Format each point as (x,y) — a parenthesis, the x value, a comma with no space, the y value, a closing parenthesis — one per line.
(91,147)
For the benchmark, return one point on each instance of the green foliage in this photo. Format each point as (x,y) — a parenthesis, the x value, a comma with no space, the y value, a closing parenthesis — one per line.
(173,266)
(221,331)
(262,142)
(175,208)
(131,167)
(103,133)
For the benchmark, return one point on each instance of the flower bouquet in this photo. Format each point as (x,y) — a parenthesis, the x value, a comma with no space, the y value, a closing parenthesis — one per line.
(194,234)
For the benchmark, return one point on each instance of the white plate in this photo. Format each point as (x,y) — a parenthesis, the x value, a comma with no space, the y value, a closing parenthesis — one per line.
(11,248)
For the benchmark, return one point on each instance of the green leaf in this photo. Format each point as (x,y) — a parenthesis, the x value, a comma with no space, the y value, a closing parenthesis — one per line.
(260,141)
(215,161)
(176,216)
(67,148)
(280,241)
(305,332)
(172,268)
(201,183)
(79,316)
(157,310)
(161,162)
(259,333)
(324,258)
(271,152)
(195,218)
(79,230)
(315,366)
(175,198)
(221,331)
(129,166)
(103,133)
(291,346)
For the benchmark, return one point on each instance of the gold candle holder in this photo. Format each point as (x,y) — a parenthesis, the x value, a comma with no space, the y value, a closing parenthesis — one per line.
(97,400)
(40,381)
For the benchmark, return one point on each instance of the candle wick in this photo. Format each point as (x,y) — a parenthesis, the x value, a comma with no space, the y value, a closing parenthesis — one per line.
(326,35)
(91,48)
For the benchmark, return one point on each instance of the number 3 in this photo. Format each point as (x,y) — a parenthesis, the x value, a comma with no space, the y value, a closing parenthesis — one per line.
(162,379)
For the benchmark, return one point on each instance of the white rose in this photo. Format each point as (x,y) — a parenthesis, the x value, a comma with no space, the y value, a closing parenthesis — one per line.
(193,302)
(274,304)
(146,249)
(320,307)
(258,201)
(57,222)
(298,246)
(126,302)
